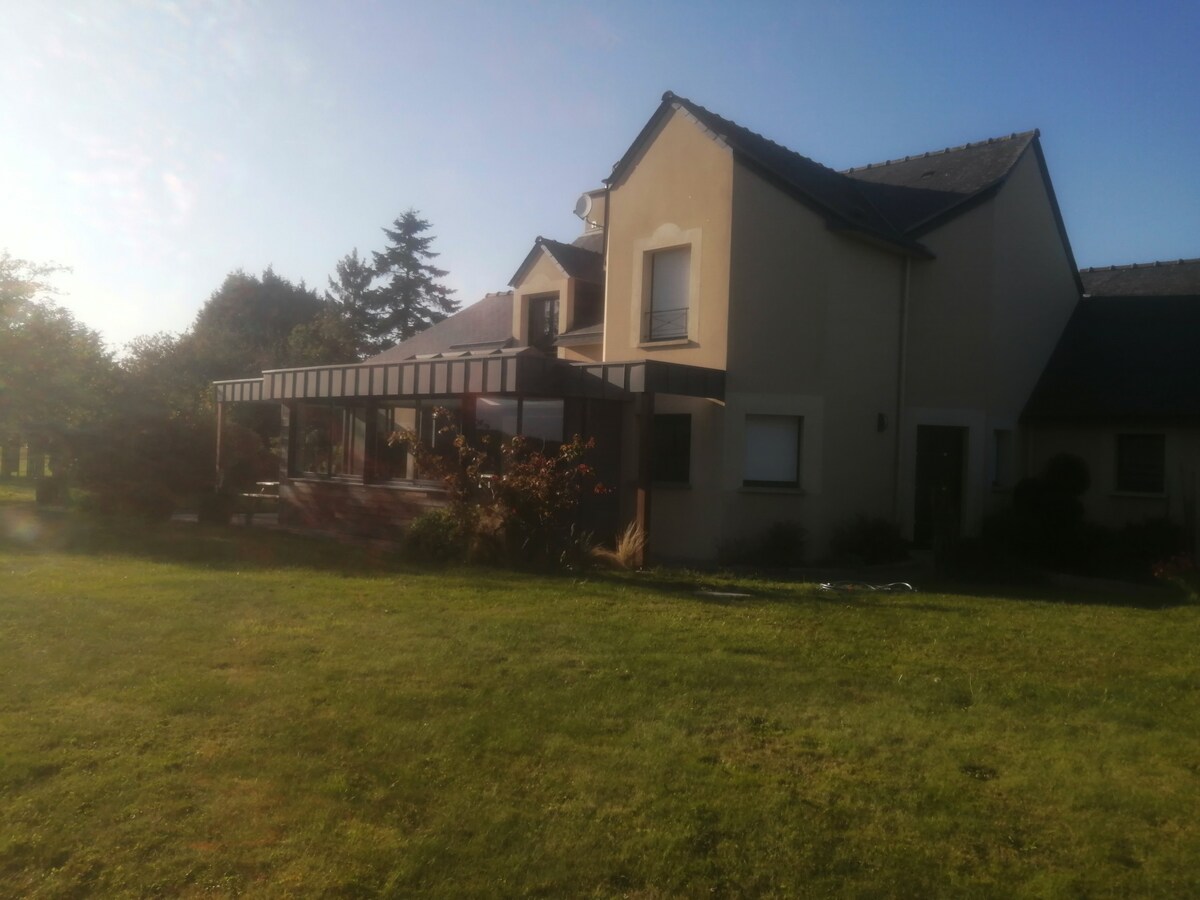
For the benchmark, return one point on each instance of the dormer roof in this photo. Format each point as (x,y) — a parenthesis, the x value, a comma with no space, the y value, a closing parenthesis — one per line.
(574,260)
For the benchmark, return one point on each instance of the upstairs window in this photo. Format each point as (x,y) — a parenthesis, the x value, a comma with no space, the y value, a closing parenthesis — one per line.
(543,321)
(667,311)
(773,451)
(1141,463)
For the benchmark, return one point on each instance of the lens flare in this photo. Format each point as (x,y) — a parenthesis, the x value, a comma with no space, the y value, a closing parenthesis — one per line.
(21,526)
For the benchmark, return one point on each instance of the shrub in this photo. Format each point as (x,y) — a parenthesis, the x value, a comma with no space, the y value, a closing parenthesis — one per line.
(214,508)
(1180,570)
(982,560)
(868,541)
(627,550)
(436,536)
(1145,543)
(781,545)
(521,514)
(52,491)
(1046,523)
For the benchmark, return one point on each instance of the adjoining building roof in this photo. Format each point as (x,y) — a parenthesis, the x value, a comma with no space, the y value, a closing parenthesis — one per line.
(482,325)
(593,240)
(1123,357)
(1165,278)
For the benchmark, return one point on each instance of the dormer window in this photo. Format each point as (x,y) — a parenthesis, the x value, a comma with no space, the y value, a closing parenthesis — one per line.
(667,312)
(543,321)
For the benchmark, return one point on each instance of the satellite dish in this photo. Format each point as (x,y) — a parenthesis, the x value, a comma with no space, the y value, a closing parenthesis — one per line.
(583,206)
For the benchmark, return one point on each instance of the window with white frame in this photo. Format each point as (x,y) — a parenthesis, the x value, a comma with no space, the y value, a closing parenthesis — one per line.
(1002,458)
(772,451)
(667,307)
(1141,463)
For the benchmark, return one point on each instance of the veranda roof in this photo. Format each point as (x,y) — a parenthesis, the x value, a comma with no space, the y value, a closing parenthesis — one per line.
(502,371)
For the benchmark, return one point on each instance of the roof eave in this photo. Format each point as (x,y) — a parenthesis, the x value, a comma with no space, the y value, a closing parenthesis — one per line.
(625,163)
(834,220)
(1036,143)
(530,260)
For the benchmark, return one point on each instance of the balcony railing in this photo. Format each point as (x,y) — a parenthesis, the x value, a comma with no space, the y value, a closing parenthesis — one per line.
(666,324)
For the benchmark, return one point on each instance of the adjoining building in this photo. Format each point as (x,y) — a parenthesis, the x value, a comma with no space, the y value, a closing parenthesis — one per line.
(753,338)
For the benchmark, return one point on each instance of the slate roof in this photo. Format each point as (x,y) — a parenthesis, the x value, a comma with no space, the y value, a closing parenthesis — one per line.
(593,240)
(825,189)
(588,334)
(1164,278)
(895,201)
(917,192)
(577,261)
(482,325)
(1123,358)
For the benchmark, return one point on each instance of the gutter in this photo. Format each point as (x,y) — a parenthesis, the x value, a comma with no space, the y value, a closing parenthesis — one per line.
(901,384)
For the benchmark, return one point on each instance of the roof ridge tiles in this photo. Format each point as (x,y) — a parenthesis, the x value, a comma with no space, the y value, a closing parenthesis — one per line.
(970,145)
(671,95)
(1142,265)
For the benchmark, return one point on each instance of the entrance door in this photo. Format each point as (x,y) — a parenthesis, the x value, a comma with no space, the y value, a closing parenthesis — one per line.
(941,459)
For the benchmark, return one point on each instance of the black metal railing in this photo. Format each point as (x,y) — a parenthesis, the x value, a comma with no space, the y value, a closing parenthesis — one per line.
(666,324)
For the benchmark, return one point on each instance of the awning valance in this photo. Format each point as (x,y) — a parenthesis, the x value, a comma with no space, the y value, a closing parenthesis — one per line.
(507,371)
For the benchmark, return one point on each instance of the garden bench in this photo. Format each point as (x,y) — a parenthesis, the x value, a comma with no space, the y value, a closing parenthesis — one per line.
(265,498)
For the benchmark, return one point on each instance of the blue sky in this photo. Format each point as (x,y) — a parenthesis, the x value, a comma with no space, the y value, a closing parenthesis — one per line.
(155,146)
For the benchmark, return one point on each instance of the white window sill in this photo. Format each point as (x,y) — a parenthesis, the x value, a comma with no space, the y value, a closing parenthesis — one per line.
(662,345)
(766,489)
(399,484)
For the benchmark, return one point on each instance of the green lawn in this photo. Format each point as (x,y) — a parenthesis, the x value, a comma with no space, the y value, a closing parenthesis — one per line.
(189,713)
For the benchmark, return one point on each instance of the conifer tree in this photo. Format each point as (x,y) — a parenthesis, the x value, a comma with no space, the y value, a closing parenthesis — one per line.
(348,297)
(411,298)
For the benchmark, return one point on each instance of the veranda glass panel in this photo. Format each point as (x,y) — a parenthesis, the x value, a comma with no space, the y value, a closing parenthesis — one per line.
(542,424)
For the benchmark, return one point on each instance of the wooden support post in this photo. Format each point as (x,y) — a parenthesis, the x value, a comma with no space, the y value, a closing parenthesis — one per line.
(289,440)
(645,429)
(218,479)
(10,455)
(35,458)
(370,442)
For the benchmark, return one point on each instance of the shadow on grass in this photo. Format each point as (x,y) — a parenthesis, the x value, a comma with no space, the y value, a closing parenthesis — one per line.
(27,529)
(1112,593)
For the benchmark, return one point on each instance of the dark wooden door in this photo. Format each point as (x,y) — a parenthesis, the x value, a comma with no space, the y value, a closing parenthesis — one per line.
(941,461)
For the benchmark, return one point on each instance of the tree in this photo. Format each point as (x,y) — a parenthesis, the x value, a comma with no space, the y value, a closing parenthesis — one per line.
(21,283)
(54,371)
(246,325)
(349,297)
(412,299)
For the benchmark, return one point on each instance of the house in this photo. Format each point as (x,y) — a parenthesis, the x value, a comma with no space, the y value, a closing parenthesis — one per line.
(1122,391)
(751,338)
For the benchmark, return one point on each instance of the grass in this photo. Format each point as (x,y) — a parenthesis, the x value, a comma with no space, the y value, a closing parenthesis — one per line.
(190,712)
(16,490)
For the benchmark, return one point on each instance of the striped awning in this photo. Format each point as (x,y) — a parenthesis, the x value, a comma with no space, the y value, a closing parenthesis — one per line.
(505,371)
